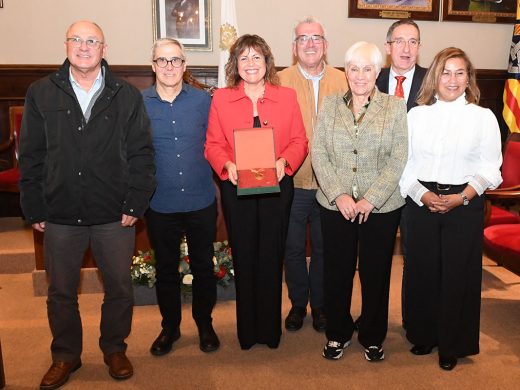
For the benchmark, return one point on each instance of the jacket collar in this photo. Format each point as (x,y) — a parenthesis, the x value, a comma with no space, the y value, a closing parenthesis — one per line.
(307,76)
(376,103)
(237,93)
(61,76)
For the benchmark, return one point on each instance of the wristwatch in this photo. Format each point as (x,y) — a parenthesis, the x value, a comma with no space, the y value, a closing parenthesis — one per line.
(465,200)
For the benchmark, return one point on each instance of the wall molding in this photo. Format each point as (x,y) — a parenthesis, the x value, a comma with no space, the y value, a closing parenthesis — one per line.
(15,79)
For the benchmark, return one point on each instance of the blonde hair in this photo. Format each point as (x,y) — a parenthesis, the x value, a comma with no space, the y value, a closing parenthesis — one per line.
(428,89)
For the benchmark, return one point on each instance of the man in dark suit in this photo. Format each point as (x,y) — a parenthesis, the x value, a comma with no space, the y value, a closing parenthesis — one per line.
(403,78)
(403,40)
(402,45)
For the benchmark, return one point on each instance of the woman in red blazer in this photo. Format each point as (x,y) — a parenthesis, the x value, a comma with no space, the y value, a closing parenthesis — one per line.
(257,224)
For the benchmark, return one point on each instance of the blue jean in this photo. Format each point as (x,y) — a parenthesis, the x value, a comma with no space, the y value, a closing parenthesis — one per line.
(304,282)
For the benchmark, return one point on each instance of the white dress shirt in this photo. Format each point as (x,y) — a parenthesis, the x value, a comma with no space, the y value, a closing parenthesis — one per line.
(451,143)
(407,83)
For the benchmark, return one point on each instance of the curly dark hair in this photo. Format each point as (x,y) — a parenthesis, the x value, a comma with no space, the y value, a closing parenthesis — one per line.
(243,43)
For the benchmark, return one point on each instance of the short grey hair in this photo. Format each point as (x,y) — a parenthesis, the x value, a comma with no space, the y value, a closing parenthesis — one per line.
(165,42)
(364,51)
(308,20)
(402,22)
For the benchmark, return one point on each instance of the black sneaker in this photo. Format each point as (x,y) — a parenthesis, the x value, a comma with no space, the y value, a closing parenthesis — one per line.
(374,353)
(334,349)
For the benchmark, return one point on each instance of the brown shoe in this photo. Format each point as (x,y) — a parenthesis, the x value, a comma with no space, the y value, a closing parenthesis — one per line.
(58,374)
(119,367)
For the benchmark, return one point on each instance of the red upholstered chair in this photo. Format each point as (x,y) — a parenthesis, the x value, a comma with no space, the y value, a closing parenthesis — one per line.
(10,177)
(502,245)
(502,232)
(497,215)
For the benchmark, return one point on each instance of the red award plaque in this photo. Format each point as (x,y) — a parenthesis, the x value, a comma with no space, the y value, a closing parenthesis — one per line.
(255,161)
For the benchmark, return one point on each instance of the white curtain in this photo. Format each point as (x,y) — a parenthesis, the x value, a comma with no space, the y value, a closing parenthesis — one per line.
(228,35)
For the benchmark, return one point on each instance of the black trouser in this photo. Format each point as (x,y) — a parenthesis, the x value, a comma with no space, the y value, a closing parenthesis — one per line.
(443,276)
(375,241)
(165,232)
(65,246)
(403,231)
(257,225)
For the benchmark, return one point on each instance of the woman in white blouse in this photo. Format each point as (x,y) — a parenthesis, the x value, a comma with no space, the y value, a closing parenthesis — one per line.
(454,156)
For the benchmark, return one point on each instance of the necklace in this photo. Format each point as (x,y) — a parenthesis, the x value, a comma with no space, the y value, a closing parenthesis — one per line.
(255,96)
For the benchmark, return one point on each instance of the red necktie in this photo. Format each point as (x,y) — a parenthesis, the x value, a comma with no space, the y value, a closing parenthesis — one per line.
(399,87)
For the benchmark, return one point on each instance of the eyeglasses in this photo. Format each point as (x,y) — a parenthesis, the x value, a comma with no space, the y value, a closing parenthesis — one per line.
(413,43)
(163,62)
(77,42)
(303,39)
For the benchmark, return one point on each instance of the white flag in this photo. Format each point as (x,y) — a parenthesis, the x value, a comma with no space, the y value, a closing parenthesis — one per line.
(228,36)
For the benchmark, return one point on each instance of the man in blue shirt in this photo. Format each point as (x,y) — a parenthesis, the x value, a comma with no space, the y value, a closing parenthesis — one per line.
(184,200)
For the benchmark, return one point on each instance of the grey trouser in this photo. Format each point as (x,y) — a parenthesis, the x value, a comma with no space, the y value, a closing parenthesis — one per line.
(65,246)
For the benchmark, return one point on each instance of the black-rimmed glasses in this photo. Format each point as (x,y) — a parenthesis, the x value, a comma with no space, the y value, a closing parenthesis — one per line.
(162,62)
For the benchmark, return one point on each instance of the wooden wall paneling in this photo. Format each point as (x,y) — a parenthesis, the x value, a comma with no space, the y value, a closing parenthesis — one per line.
(491,84)
(15,79)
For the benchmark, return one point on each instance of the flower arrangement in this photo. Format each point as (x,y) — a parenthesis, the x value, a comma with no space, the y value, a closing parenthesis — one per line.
(222,265)
(142,270)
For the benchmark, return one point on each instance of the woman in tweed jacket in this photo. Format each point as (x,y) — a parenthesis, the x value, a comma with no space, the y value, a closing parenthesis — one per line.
(359,153)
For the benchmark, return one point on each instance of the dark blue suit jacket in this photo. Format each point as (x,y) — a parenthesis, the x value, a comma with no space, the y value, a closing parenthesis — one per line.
(418,75)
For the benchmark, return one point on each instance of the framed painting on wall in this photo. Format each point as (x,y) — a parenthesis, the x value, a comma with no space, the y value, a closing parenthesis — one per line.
(189,21)
(394,9)
(484,11)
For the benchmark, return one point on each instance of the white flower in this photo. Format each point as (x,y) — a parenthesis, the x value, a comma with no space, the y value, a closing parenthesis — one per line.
(187,279)
(214,260)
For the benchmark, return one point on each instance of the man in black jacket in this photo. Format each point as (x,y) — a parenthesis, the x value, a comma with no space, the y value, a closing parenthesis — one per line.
(87,173)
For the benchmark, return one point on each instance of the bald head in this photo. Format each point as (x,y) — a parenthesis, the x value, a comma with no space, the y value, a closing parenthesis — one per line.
(85,47)
(85,25)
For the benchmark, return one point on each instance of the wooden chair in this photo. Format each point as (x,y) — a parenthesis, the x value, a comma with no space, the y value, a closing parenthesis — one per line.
(502,231)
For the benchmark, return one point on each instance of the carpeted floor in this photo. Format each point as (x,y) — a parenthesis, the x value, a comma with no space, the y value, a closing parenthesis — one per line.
(297,363)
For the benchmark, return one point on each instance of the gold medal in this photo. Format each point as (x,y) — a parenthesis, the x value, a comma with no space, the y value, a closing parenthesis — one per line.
(259,173)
